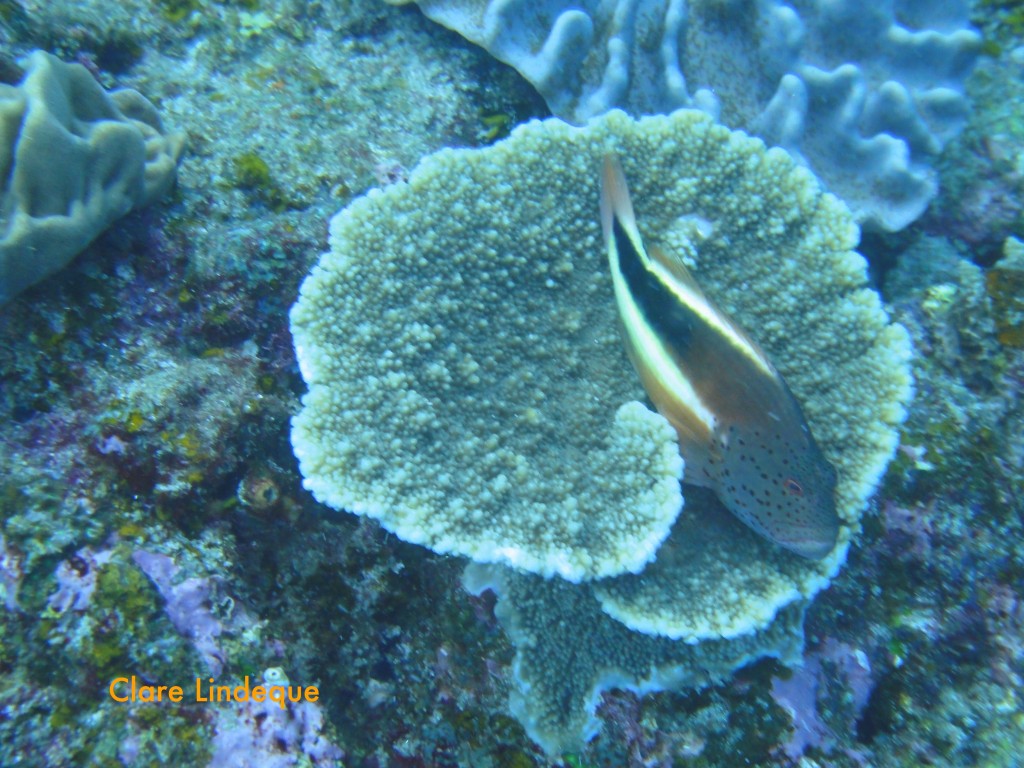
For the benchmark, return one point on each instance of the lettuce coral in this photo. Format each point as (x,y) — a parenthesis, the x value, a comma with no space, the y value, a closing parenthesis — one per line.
(865,94)
(73,159)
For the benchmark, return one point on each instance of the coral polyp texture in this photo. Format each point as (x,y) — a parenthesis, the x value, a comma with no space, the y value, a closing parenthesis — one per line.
(73,159)
(864,94)
(568,652)
(469,389)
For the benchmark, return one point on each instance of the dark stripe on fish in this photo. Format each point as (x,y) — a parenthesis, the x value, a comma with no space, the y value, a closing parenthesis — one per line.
(671,319)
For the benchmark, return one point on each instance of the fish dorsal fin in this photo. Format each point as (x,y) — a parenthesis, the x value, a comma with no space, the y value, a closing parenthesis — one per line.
(676,268)
(675,276)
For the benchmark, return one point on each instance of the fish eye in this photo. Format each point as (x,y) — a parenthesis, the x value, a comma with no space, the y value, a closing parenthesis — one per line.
(793,487)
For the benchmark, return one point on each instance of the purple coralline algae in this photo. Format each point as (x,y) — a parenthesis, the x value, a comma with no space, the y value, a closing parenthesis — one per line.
(263,734)
(834,663)
(76,580)
(189,607)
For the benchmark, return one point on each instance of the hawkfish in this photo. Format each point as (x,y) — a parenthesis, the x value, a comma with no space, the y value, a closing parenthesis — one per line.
(741,431)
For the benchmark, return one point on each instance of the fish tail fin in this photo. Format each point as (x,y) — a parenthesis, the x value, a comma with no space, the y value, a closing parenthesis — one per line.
(615,203)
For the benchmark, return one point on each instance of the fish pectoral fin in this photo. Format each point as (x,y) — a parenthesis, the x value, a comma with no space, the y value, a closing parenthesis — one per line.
(700,463)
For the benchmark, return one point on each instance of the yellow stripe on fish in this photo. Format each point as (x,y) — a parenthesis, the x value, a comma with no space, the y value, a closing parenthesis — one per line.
(741,431)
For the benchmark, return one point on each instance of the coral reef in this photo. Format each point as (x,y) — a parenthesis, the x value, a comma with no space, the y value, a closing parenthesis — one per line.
(1005,286)
(73,159)
(76,581)
(800,692)
(437,370)
(981,199)
(866,95)
(191,605)
(937,576)
(146,391)
(561,677)
(364,449)
(156,376)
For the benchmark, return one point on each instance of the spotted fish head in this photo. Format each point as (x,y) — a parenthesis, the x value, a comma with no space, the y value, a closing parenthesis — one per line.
(773,476)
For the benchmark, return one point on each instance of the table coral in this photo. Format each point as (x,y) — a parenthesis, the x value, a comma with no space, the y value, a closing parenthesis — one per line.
(460,343)
(495,440)
(568,652)
(473,393)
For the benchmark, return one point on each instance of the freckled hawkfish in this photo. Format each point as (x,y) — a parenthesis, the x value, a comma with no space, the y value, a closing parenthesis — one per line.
(741,431)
